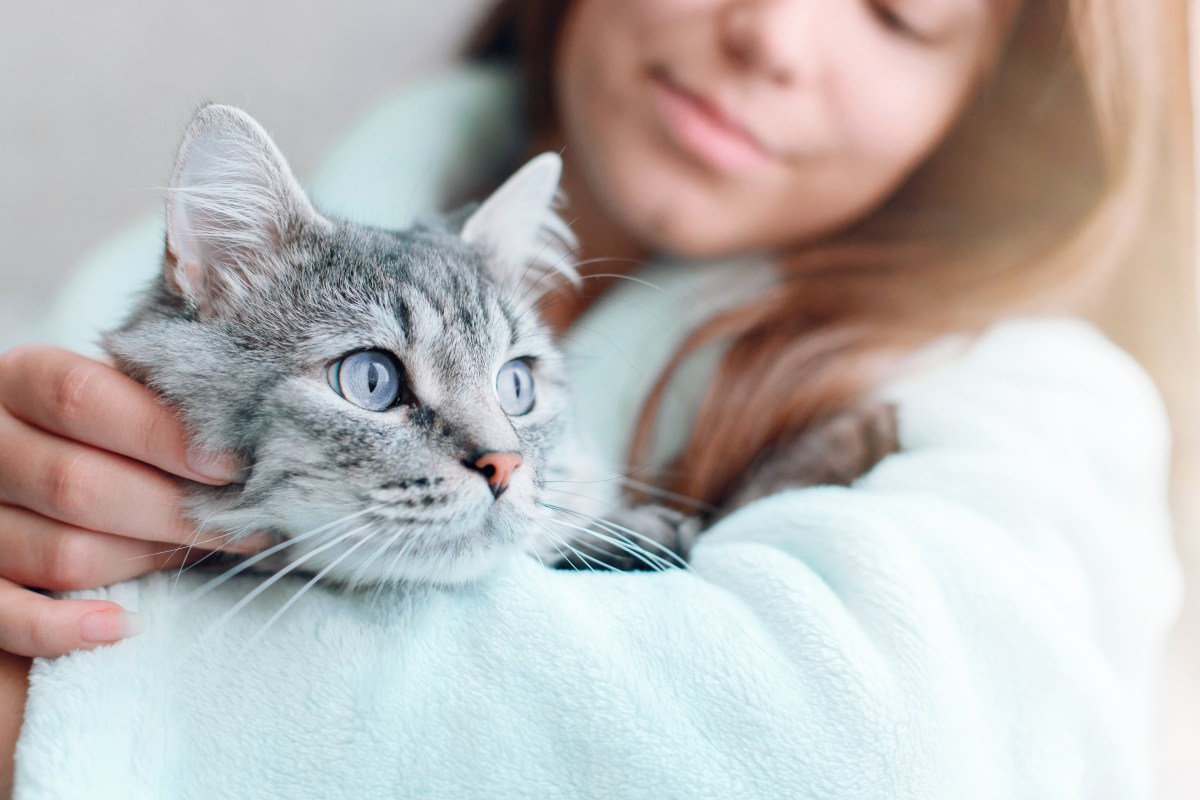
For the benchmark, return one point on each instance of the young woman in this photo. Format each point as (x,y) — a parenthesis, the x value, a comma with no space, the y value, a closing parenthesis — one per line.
(910,170)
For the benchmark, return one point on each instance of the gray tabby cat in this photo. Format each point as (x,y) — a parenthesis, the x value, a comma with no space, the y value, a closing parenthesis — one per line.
(394,392)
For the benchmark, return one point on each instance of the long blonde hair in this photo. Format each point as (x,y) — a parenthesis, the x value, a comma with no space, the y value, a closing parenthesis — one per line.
(1032,202)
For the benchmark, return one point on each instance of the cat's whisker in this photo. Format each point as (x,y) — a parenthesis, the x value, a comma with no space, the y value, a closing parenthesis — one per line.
(411,544)
(619,538)
(618,275)
(173,550)
(551,299)
(651,490)
(614,477)
(538,556)
(581,495)
(648,489)
(392,566)
(553,540)
(537,310)
(563,238)
(187,554)
(624,532)
(582,541)
(555,268)
(607,340)
(587,560)
(655,562)
(237,569)
(379,551)
(280,575)
(558,544)
(380,585)
(641,554)
(295,597)
(190,546)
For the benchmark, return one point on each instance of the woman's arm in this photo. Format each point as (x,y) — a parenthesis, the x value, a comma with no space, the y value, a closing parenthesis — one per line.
(980,616)
(14,681)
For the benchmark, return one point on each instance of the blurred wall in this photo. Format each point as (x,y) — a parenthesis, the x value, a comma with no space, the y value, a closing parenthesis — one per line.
(94,98)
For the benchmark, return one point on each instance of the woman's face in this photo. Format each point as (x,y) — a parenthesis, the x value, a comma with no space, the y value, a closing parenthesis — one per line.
(706,127)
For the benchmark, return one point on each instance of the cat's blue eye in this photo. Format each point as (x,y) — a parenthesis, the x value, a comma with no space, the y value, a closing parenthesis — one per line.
(514,387)
(370,379)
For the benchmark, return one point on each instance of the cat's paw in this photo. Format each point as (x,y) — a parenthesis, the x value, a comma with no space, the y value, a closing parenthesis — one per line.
(641,538)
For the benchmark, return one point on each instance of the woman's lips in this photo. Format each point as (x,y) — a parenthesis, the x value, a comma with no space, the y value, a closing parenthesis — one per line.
(702,129)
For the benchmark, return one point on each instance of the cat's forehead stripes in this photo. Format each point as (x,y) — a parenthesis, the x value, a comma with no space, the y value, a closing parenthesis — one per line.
(420,295)
(456,286)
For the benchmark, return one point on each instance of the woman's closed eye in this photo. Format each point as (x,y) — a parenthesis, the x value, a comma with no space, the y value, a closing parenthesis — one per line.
(894,19)
(923,22)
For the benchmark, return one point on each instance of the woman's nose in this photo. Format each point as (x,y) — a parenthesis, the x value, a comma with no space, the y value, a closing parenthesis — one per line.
(770,37)
(497,468)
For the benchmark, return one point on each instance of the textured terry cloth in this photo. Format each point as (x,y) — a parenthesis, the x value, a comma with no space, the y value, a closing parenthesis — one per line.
(980,616)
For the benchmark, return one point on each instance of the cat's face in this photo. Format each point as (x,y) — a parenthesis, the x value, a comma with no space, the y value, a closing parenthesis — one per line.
(394,392)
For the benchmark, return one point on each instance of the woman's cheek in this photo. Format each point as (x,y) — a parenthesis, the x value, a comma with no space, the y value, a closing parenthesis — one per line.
(892,114)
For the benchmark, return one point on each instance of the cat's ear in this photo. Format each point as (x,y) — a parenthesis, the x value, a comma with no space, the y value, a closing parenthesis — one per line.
(231,204)
(524,240)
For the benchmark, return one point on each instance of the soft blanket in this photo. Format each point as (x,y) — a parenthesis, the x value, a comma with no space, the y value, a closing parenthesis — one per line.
(979,617)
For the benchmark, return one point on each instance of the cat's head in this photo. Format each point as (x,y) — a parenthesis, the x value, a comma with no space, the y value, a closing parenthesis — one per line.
(393,392)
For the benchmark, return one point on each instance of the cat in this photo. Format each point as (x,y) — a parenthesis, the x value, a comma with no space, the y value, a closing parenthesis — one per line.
(393,392)
(398,402)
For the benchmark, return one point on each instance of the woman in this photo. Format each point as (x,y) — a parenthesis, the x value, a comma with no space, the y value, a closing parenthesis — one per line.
(917,169)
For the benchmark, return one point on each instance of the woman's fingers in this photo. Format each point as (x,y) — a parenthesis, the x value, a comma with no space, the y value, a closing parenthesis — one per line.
(87,401)
(86,498)
(40,552)
(89,488)
(32,624)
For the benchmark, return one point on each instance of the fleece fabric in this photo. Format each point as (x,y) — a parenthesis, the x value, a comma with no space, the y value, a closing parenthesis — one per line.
(980,616)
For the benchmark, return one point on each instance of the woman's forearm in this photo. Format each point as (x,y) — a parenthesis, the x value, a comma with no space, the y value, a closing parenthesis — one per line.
(14,682)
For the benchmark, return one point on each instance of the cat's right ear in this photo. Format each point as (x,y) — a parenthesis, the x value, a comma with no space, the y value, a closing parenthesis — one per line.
(521,235)
(232,202)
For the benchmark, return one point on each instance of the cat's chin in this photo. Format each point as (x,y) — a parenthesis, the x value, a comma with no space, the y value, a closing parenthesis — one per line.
(450,559)
(457,571)
(477,555)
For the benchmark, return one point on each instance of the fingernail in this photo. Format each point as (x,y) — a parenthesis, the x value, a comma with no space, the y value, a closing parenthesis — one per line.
(251,544)
(218,466)
(110,625)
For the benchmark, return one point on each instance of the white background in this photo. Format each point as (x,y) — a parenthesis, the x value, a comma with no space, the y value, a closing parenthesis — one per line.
(95,95)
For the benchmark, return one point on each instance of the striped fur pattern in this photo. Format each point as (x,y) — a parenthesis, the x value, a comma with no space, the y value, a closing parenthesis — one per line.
(260,293)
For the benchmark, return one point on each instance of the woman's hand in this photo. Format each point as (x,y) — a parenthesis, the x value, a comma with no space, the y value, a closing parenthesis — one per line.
(88,496)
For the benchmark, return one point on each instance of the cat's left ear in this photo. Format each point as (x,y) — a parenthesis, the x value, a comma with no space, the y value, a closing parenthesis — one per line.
(521,235)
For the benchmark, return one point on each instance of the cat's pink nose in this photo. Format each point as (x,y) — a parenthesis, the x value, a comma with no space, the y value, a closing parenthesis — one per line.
(498,469)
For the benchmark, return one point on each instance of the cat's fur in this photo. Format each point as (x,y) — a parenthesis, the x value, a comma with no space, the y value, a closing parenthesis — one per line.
(260,293)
